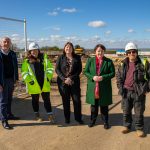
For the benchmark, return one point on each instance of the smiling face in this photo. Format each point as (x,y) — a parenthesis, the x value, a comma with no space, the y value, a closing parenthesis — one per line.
(5,44)
(34,53)
(99,52)
(132,55)
(68,49)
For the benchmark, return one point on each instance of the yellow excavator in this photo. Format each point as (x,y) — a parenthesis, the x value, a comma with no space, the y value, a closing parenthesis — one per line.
(79,50)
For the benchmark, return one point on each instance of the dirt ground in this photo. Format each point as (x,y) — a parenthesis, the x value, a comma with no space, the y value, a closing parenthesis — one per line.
(31,135)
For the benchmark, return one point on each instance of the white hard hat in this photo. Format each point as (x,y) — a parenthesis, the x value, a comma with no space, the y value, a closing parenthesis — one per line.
(130,46)
(33,46)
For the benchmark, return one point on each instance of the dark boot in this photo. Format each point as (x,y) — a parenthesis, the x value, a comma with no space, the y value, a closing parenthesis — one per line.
(80,121)
(51,118)
(67,121)
(106,126)
(38,118)
(92,123)
(6,125)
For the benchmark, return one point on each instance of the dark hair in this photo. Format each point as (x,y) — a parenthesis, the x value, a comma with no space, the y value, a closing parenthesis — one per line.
(101,46)
(69,43)
(28,54)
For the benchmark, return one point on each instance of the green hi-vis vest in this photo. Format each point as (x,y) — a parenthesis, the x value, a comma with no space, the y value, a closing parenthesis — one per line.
(28,76)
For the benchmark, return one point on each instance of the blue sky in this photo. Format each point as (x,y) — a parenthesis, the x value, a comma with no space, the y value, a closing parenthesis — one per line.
(85,22)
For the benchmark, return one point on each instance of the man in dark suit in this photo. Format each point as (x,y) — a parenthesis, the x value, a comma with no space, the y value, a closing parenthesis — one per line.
(8,77)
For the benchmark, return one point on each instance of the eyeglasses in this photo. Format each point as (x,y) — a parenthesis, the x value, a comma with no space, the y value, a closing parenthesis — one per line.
(133,52)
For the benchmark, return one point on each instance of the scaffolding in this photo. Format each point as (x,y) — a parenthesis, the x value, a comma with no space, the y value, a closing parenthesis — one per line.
(25,27)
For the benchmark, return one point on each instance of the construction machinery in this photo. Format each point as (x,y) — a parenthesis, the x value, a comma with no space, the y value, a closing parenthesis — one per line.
(79,50)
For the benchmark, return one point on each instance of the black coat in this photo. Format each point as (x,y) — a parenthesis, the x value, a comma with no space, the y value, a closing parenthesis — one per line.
(140,84)
(15,66)
(75,71)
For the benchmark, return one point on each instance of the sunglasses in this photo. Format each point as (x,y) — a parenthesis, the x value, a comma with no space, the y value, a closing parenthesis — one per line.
(133,52)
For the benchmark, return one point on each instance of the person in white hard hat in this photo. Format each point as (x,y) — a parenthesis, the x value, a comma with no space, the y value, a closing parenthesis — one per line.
(37,72)
(133,84)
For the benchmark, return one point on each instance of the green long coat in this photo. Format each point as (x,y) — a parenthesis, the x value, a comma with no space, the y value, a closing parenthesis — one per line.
(107,71)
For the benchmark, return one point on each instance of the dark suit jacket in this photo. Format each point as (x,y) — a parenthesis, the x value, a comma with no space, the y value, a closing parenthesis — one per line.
(75,72)
(15,65)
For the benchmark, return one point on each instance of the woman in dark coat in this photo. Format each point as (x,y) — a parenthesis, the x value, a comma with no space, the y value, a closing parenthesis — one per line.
(99,71)
(68,69)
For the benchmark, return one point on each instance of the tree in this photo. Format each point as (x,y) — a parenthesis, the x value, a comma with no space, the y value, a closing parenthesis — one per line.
(48,48)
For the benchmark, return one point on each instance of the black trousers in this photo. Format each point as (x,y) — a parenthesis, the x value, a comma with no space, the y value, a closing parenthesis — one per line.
(75,93)
(131,100)
(6,99)
(46,99)
(103,110)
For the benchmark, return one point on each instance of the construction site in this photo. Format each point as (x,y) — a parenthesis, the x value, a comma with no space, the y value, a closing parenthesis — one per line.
(30,134)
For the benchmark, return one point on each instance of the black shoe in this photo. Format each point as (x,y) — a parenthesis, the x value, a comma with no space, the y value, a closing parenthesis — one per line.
(81,122)
(6,125)
(106,126)
(67,121)
(91,124)
(12,117)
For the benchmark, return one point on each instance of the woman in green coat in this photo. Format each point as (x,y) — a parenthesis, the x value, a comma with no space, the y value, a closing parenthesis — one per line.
(99,71)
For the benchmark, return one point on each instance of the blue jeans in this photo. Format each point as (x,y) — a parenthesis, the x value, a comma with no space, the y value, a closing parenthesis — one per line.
(6,98)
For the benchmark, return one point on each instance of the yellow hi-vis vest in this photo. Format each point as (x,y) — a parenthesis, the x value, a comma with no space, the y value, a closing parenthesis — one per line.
(28,76)
(144,62)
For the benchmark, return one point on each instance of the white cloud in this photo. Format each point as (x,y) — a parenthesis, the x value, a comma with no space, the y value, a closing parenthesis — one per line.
(69,10)
(54,13)
(96,38)
(96,24)
(71,38)
(31,40)
(112,41)
(130,31)
(57,9)
(56,28)
(52,28)
(108,32)
(147,30)
(86,42)
(43,39)
(47,28)
(16,38)
(55,37)
(15,35)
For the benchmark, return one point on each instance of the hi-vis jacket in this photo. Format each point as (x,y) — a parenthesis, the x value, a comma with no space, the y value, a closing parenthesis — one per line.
(28,76)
